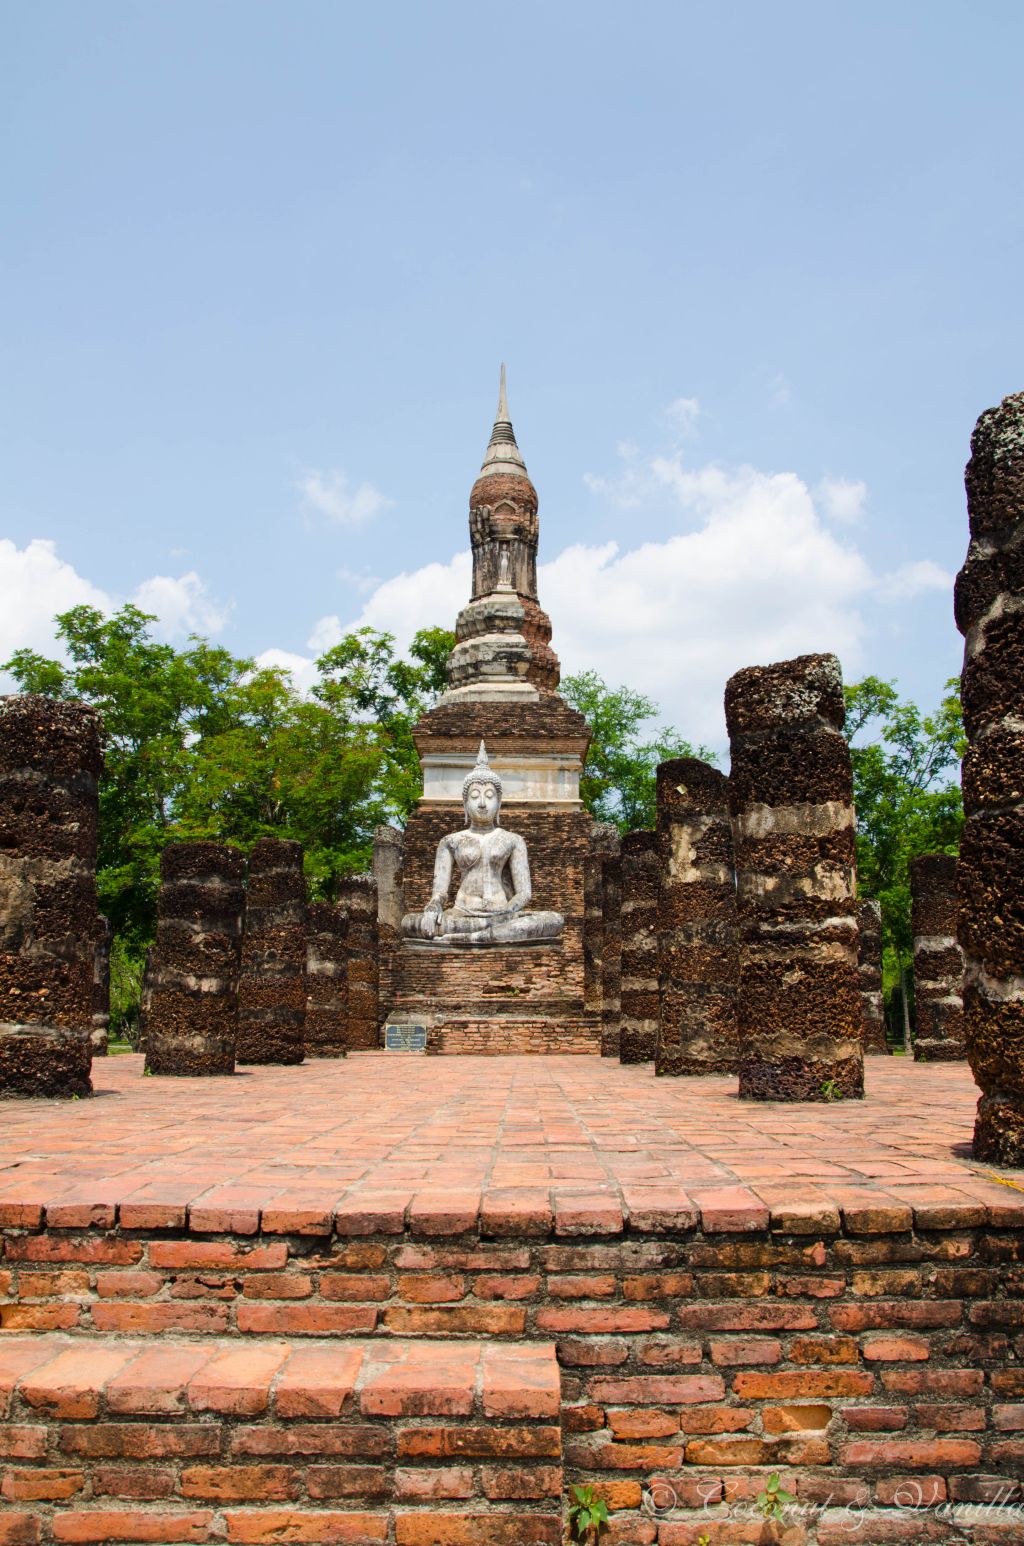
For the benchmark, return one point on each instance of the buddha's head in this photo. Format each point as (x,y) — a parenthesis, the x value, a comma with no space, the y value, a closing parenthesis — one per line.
(481,793)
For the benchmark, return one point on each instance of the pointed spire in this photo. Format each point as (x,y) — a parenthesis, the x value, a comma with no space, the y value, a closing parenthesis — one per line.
(503,455)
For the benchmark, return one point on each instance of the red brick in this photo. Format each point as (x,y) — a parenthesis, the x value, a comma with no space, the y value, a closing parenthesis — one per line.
(347,1481)
(128,1285)
(131,1525)
(896,1349)
(58,1248)
(237,1380)
(478,1530)
(592,1285)
(520,1382)
(39,1317)
(144,1483)
(443,1482)
(477,1320)
(71,1385)
(428,1384)
(579,1215)
(506,1286)
(521,1482)
(442,1213)
(302,1320)
(133,1441)
(41,1485)
(740,1350)
(280,1526)
(478,1441)
(910,1491)
(431,1287)
(266,1257)
(645,1424)
(155,1381)
(797,1418)
(150,1319)
(317,1381)
(715,1419)
(18,1529)
(655,1389)
(600,1321)
(878,1316)
(278,1285)
(746,1317)
(516,1213)
(657,1285)
(824,1350)
(358,1286)
(359,1440)
(910,1452)
(951,1419)
(935,1382)
(45,1285)
(875,1419)
(22,1442)
(1004,1416)
(237,1484)
(787,1385)
(730,1210)
(718,1452)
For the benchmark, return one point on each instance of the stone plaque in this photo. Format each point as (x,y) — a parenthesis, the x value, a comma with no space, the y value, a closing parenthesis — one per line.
(405,1038)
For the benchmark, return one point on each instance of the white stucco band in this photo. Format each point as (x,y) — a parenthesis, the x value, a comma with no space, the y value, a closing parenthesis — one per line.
(551,778)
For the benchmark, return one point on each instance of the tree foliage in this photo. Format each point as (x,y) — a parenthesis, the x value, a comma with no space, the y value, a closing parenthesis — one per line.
(202,744)
(618,782)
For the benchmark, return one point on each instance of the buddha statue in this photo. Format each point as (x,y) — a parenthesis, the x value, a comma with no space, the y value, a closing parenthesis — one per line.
(490,907)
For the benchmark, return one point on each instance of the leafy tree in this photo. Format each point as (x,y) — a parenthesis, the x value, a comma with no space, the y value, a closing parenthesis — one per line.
(907,795)
(618,783)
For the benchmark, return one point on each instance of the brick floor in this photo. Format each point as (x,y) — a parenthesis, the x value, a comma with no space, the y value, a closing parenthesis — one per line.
(524,1145)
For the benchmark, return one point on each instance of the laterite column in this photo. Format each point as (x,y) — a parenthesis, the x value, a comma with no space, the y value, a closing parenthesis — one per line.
(698,948)
(990,613)
(640,883)
(190,990)
(50,762)
(327,981)
(869,973)
(358,895)
(791,792)
(611,955)
(272,985)
(938,961)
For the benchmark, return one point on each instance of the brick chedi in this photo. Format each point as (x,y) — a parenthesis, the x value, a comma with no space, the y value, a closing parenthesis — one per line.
(50,762)
(791,793)
(938,960)
(190,990)
(869,975)
(641,871)
(327,981)
(272,984)
(990,614)
(358,895)
(698,960)
(503,677)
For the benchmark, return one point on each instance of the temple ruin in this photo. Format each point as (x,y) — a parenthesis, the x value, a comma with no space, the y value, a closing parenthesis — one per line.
(938,959)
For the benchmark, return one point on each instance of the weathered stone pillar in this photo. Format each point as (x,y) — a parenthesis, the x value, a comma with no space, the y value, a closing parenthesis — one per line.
(327,981)
(190,995)
(604,843)
(50,761)
(869,975)
(101,989)
(938,961)
(611,955)
(791,792)
(698,946)
(640,884)
(358,895)
(272,985)
(990,613)
(388,872)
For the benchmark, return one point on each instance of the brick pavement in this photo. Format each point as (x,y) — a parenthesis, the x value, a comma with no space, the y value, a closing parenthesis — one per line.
(518,1146)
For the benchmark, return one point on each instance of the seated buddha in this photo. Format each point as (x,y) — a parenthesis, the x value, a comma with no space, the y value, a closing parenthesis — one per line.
(490,906)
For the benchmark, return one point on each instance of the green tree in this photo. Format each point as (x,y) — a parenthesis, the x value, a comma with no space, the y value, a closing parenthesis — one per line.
(618,782)
(907,796)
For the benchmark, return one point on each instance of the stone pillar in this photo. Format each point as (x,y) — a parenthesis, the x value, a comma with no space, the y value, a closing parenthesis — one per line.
(611,955)
(698,962)
(190,995)
(358,895)
(604,843)
(326,981)
(990,613)
(938,961)
(272,985)
(640,884)
(791,792)
(101,989)
(388,872)
(50,761)
(869,975)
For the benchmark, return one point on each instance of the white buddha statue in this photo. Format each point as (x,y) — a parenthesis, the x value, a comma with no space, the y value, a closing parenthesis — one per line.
(494,890)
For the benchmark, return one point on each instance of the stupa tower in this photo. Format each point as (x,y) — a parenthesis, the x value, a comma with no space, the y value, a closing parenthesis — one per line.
(502,689)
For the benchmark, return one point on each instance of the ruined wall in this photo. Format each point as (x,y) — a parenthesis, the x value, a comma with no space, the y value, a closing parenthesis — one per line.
(190,989)
(989,606)
(641,874)
(938,960)
(358,895)
(869,974)
(50,761)
(272,985)
(611,955)
(101,988)
(698,959)
(326,981)
(791,793)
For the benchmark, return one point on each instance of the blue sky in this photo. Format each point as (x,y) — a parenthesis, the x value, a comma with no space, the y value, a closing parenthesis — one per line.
(755,271)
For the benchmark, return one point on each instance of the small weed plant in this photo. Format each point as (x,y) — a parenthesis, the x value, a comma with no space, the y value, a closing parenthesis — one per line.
(772,1501)
(588,1516)
(830,1090)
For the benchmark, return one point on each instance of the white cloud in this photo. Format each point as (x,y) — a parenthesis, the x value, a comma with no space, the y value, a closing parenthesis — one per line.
(426,597)
(329,494)
(302,669)
(34,586)
(682,415)
(842,500)
(914,579)
(182,606)
(780,390)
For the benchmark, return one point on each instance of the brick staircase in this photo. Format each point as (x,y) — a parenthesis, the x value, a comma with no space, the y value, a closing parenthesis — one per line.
(423,1443)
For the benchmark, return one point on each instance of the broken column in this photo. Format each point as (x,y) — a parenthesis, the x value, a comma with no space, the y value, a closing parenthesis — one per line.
(697,938)
(326,981)
(604,843)
(869,975)
(611,955)
(190,991)
(990,613)
(50,762)
(639,995)
(272,984)
(358,895)
(101,989)
(938,961)
(791,793)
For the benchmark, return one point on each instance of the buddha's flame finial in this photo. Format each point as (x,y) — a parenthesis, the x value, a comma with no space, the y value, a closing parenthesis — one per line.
(483,773)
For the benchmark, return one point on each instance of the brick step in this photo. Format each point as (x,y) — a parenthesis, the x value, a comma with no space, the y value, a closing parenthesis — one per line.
(418,1443)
